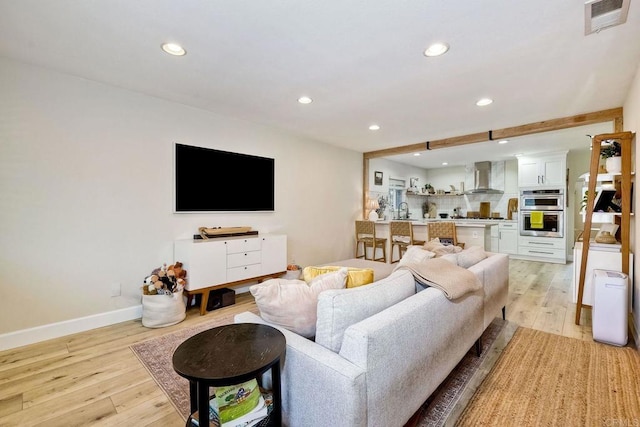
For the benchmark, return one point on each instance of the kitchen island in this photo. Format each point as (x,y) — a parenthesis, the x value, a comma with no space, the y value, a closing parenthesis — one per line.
(473,232)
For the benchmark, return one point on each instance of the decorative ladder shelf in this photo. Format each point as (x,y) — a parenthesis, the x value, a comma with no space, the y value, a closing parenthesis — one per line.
(626,142)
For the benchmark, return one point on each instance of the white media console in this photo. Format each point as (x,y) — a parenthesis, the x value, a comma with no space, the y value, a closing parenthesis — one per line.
(229,261)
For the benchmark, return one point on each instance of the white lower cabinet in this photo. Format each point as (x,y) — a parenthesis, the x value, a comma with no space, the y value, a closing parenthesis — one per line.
(274,253)
(508,238)
(214,262)
(549,249)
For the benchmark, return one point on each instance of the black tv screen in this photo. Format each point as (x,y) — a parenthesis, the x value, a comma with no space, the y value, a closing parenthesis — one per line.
(208,180)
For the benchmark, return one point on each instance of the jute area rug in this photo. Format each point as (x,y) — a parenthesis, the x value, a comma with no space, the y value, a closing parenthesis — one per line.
(543,379)
(156,355)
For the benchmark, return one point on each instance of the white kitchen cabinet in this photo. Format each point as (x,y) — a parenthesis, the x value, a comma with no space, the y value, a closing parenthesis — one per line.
(549,170)
(597,259)
(549,249)
(495,238)
(508,238)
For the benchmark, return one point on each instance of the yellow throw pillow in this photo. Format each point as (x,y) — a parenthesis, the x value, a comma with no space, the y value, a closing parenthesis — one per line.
(355,276)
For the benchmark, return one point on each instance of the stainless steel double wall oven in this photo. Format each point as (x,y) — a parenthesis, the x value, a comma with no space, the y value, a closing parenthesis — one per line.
(542,212)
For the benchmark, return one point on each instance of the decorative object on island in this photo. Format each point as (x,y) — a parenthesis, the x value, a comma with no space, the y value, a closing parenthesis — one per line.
(372,206)
(611,152)
(383,202)
(162,300)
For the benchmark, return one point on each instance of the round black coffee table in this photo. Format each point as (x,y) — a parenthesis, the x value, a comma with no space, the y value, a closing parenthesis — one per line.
(228,355)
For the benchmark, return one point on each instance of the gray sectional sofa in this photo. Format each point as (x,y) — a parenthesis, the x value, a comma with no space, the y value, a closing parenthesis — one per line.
(381,350)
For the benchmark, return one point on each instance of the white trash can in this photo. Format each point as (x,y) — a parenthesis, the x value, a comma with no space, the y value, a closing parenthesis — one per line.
(610,306)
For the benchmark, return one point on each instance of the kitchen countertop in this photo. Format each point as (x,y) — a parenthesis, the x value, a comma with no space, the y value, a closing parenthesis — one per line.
(460,222)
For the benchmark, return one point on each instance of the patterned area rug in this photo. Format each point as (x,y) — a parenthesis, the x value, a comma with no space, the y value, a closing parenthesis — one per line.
(156,355)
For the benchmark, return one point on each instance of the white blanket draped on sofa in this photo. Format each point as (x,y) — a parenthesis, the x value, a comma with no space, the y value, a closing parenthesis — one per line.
(439,273)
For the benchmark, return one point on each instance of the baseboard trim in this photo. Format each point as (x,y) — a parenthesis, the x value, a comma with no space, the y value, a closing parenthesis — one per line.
(56,330)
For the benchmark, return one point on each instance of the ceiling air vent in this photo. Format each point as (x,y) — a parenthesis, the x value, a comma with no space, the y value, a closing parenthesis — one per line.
(601,14)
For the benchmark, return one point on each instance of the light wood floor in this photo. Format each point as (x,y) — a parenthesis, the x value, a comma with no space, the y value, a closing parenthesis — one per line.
(93,378)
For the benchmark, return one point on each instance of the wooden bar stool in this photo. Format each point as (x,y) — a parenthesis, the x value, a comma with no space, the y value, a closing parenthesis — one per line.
(401,235)
(366,235)
(445,231)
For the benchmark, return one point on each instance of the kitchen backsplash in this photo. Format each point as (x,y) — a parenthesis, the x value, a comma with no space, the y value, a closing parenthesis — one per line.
(468,202)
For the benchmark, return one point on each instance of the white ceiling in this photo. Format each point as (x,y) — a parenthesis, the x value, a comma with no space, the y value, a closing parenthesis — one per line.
(360,61)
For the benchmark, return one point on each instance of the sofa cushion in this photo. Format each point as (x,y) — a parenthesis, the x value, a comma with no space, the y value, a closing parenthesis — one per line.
(355,276)
(471,256)
(380,269)
(452,258)
(415,254)
(467,257)
(339,309)
(291,304)
(435,246)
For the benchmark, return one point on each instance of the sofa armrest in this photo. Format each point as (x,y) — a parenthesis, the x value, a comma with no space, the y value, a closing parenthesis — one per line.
(493,272)
(319,387)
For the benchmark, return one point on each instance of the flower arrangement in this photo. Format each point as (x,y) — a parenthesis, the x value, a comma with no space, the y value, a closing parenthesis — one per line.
(612,149)
(383,202)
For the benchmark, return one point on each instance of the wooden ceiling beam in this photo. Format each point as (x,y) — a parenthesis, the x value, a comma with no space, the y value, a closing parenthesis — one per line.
(613,114)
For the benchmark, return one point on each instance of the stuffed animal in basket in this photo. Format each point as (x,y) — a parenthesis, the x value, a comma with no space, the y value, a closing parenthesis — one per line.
(165,280)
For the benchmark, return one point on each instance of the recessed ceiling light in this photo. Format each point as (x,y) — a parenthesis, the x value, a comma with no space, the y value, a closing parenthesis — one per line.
(374,127)
(174,49)
(445,163)
(503,141)
(416,154)
(305,100)
(436,49)
(484,101)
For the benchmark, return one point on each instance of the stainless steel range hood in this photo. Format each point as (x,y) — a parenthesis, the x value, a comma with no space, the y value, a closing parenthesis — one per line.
(482,179)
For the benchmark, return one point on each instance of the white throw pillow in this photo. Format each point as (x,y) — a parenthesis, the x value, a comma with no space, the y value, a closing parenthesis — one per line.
(452,258)
(292,304)
(471,256)
(415,254)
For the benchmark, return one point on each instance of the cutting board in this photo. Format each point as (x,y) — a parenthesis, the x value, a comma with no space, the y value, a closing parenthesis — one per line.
(485,209)
(512,206)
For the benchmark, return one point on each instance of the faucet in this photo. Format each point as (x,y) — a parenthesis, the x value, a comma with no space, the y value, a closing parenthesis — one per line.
(406,210)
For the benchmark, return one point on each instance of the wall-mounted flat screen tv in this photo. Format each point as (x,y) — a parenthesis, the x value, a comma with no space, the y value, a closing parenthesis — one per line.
(208,180)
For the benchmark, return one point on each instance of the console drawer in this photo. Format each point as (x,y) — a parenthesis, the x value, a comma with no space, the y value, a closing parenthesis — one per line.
(244,272)
(243,245)
(242,259)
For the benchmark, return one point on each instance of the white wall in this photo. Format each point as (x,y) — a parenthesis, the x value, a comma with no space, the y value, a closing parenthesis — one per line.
(395,170)
(631,110)
(86,183)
